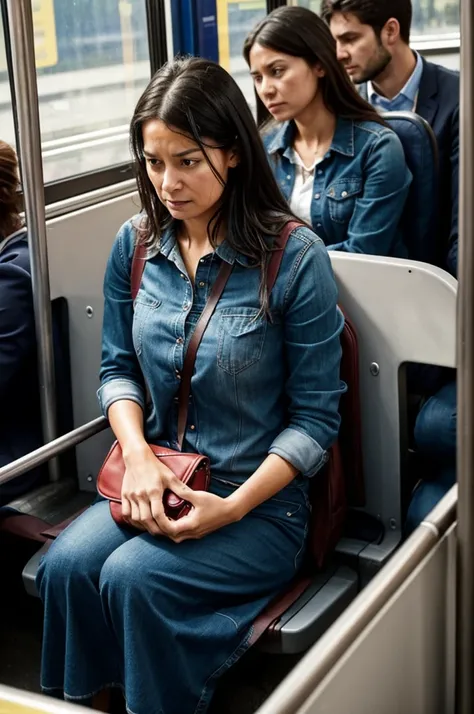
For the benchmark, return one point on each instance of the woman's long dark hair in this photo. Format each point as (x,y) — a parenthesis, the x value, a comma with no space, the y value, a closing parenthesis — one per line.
(200,99)
(298,32)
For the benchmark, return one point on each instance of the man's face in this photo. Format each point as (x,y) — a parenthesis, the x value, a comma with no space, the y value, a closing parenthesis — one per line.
(362,53)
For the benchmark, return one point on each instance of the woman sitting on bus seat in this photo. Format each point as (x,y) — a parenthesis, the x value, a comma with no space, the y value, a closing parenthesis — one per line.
(341,168)
(164,612)
(20,419)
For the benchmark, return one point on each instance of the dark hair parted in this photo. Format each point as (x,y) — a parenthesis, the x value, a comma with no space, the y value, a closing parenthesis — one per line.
(9,197)
(200,99)
(375,13)
(299,32)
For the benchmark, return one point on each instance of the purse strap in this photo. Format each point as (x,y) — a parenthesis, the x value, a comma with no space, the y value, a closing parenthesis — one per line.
(138,266)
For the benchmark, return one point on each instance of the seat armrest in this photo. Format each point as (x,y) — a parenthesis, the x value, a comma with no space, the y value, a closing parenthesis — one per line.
(312,613)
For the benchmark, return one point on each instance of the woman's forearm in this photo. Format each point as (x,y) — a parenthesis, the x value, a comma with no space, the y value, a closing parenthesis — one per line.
(272,475)
(126,420)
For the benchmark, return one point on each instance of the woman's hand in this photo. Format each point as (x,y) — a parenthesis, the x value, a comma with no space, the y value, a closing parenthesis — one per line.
(208,513)
(143,486)
(145,481)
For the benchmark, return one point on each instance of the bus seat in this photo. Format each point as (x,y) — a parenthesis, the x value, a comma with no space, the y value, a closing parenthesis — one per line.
(403,311)
(320,592)
(419,217)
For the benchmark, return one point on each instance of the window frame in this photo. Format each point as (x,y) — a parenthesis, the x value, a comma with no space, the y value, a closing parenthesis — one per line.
(72,186)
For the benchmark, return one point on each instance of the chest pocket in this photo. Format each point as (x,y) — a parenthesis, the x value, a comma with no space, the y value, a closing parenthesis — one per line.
(142,309)
(241,338)
(341,197)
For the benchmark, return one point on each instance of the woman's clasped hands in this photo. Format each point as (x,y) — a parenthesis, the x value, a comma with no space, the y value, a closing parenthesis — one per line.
(145,481)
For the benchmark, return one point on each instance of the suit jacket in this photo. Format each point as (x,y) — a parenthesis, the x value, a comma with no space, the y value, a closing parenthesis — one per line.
(438,103)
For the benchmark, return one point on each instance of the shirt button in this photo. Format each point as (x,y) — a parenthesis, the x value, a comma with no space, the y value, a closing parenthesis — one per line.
(344,194)
(317,196)
(320,172)
(202,260)
(201,283)
(178,376)
(185,306)
(319,225)
(288,178)
(179,341)
(192,427)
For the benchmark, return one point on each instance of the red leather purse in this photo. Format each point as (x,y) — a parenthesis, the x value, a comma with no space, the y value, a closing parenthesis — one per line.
(191,469)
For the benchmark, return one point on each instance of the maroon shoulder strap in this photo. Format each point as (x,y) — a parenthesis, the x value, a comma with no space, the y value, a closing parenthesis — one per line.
(138,266)
(277,255)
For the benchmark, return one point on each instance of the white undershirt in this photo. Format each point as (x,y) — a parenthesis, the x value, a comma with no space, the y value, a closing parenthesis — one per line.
(302,194)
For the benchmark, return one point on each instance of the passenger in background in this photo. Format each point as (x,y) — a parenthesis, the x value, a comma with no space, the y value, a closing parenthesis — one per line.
(20,419)
(373,45)
(372,39)
(340,167)
(164,608)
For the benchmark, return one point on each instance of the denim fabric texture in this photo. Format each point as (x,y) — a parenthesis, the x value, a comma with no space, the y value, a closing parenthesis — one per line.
(435,436)
(163,620)
(360,187)
(258,387)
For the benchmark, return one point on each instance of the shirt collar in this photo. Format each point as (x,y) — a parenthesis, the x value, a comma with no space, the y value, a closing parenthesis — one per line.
(224,251)
(409,92)
(342,143)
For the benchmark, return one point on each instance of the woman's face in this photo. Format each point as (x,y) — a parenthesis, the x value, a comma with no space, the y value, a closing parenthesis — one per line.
(181,176)
(286,85)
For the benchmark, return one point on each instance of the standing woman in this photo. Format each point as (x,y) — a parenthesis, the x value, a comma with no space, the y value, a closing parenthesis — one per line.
(162,608)
(20,418)
(339,166)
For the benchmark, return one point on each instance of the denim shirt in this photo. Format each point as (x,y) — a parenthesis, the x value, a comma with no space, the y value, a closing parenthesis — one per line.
(258,387)
(360,187)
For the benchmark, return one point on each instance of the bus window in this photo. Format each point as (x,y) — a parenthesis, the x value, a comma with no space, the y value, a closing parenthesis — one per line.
(432,19)
(93,63)
(240,16)
(7,132)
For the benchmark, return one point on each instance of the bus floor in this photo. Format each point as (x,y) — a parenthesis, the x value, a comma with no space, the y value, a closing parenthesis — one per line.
(241,691)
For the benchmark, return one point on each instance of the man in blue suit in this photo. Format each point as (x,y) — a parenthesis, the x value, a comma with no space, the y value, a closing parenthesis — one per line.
(372,39)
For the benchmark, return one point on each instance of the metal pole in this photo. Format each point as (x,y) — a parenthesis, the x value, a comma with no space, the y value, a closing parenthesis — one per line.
(465,377)
(52,449)
(20,23)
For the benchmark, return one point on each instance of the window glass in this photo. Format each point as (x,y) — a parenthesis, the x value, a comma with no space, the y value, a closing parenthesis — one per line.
(234,21)
(92,64)
(436,18)
(7,130)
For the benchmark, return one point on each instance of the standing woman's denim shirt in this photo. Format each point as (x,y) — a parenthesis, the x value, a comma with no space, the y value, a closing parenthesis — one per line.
(360,187)
(258,387)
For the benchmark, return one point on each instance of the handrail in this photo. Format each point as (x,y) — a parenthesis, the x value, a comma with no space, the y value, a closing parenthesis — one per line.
(291,694)
(52,449)
(20,25)
(465,376)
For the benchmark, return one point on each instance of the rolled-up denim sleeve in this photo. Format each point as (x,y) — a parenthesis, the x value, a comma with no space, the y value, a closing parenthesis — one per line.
(374,228)
(120,372)
(312,327)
